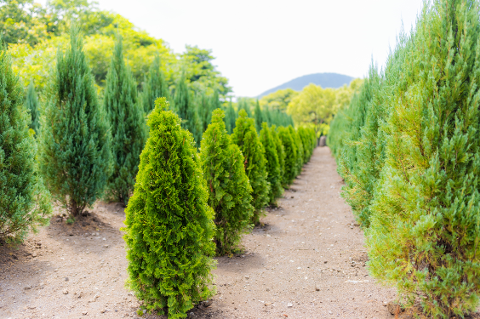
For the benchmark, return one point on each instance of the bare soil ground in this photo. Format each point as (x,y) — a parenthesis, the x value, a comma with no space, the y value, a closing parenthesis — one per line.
(306,261)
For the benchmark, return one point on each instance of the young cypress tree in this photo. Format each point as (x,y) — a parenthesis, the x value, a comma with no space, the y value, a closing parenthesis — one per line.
(169,225)
(299,150)
(24,202)
(230,190)
(280,152)
(33,106)
(290,171)
(75,155)
(245,136)
(186,109)
(204,109)
(259,118)
(425,222)
(155,86)
(243,104)
(273,165)
(230,118)
(127,123)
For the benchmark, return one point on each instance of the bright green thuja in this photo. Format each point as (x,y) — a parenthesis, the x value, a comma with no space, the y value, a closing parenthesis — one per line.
(155,86)
(245,136)
(229,187)
(272,164)
(75,155)
(425,223)
(33,106)
(299,150)
(169,226)
(280,152)
(24,201)
(186,109)
(127,125)
(290,150)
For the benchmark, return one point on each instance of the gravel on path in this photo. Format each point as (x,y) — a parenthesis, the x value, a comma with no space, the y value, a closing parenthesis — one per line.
(306,260)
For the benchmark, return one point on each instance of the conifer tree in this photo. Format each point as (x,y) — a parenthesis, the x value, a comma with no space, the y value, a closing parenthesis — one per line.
(154,87)
(33,106)
(272,163)
(229,187)
(186,109)
(230,118)
(244,105)
(259,118)
(75,154)
(169,225)
(245,136)
(204,107)
(24,201)
(280,152)
(299,150)
(127,123)
(290,171)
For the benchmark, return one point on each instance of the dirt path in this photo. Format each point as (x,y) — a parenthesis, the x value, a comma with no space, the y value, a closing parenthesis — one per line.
(308,261)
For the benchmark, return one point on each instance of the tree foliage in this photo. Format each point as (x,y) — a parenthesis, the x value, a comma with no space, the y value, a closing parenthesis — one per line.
(272,163)
(155,86)
(229,187)
(168,221)
(290,151)
(33,105)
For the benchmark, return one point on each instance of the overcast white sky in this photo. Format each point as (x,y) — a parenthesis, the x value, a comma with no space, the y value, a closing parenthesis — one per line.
(264,43)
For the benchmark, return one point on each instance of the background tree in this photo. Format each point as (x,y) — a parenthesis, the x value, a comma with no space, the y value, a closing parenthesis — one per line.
(278,100)
(168,222)
(75,154)
(230,118)
(259,117)
(245,136)
(187,110)
(127,126)
(24,202)
(272,164)
(33,106)
(154,87)
(229,187)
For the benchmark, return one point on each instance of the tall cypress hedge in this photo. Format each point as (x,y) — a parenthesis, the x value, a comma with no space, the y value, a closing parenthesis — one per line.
(24,201)
(245,136)
(127,123)
(33,105)
(409,151)
(290,150)
(75,155)
(169,226)
(280,152)
(272,164)
(228,184)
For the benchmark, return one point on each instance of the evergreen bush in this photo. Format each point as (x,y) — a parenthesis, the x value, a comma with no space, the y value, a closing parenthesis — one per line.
(280,152)
(186,109)
(127,123)
(24,201)
(228,185)
(230,118)
(169,225)
(272,164)
(154,87)
(258,115)
(76,157)
(299,150)
(33,106)
(245,136)
(290,151)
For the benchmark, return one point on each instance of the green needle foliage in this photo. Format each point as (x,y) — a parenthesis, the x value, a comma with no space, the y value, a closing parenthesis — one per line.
(273,165)
(229,187)
(187,110)
(75,154)
(24,202)
(33,106)
(230,118)
(299,153)
(204,107)
(280,152)
(259,117)
(409,151)
(290,151)
(155,86)
(127,123)
(245,136)
(169,225)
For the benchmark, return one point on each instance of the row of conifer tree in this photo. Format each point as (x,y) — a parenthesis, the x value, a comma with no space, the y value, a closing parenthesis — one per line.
(408,148)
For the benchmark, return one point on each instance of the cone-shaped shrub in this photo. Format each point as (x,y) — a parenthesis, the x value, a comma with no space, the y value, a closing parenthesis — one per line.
(245,136)
(280,152)
(75,154)
(33,106)
(299,152)
(127,123)
(425,225)
(273,165)
(290,150)
(169,226)
(24,202)
(155,86)
(222,163)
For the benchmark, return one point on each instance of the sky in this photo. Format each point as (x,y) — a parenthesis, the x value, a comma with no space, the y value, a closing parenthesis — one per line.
(263,43)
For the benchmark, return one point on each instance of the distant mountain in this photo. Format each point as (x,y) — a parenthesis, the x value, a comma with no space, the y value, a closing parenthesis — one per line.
(325,80)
